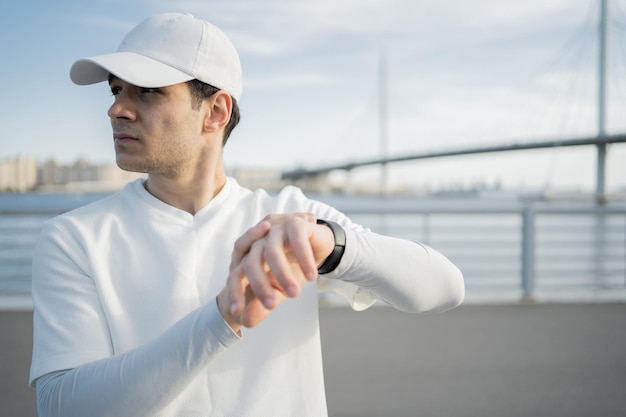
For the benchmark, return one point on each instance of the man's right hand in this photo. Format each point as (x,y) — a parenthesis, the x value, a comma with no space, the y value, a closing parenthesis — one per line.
(270,262)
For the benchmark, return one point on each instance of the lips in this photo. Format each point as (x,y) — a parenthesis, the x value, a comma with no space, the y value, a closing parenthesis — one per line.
(124,137)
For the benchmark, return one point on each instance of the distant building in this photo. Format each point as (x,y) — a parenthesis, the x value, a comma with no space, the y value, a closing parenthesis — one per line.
(257,177)
(83,176)
(18,174)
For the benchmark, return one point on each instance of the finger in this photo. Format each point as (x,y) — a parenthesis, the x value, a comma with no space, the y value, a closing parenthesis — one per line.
(236,284)
(275,255)
(243,244)
(298,236)
(254,268)
(255,311)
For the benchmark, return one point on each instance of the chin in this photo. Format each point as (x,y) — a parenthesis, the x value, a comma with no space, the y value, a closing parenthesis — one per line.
(131,166)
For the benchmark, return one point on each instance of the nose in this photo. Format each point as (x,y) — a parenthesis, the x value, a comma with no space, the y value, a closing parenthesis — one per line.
(121,108)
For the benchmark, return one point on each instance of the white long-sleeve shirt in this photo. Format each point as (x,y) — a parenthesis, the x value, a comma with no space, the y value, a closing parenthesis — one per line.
(126,321)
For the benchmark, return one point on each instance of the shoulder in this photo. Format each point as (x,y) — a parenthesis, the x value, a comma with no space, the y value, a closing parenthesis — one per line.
(92,214)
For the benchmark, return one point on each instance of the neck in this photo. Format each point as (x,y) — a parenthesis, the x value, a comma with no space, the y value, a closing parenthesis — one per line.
(188,191)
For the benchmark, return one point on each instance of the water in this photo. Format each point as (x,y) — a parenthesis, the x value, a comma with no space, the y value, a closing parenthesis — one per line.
(21,217)
(575,250)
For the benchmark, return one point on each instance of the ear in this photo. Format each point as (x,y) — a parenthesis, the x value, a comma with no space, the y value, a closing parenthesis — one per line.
(220,106)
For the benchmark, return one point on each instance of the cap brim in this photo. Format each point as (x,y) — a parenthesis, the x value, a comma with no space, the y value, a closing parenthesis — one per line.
(133,68)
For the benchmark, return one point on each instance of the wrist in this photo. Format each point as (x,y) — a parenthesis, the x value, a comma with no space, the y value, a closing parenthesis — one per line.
(223,306)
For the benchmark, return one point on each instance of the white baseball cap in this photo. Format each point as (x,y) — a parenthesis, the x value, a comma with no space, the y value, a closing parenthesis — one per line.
(167,49)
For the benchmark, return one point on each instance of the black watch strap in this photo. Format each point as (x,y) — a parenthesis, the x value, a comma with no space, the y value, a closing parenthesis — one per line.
(334,258)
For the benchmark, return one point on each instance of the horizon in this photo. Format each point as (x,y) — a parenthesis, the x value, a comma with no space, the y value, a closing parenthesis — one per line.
(336,182)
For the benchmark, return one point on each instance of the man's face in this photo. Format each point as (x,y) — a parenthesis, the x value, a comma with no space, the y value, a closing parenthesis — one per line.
(155,130)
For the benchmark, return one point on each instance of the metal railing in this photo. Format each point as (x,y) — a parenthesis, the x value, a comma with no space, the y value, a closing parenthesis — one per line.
(512,247)
(501,246)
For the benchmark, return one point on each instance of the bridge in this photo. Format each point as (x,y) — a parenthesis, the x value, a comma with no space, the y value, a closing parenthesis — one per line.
(315,178)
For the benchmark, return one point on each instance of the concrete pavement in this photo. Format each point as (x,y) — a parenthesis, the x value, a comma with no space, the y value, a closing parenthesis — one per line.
(510,360)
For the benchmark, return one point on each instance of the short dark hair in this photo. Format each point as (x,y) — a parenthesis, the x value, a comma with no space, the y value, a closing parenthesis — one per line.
(200,91)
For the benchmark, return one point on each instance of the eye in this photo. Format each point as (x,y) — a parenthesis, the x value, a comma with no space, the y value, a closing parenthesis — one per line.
(146,90)
(115,90)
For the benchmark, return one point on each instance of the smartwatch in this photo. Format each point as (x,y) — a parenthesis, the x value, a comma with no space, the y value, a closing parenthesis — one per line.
(332,261)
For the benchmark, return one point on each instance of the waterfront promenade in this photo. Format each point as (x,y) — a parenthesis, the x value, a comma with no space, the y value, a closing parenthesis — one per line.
(484,360)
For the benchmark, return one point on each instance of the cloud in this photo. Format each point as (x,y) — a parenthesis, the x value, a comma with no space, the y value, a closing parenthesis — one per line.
(275,27)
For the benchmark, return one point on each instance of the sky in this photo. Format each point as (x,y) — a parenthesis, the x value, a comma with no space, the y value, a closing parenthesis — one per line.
(459,74)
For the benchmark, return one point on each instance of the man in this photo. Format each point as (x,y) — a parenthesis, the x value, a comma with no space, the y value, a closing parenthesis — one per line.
(187,294)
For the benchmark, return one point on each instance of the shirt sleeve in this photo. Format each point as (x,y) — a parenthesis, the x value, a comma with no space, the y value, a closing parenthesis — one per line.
(75,370)
(407,275)
(404,274)
(70,326)
(117,386)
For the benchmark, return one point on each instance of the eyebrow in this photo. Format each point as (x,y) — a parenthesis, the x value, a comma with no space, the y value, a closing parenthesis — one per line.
(112,78)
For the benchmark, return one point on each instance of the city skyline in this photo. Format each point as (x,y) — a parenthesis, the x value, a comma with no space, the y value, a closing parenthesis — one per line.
(27,174)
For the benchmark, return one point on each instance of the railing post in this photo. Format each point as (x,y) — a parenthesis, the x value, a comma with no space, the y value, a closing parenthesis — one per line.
(528,252)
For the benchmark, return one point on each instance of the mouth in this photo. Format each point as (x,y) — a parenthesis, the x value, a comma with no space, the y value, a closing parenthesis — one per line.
(124,137)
